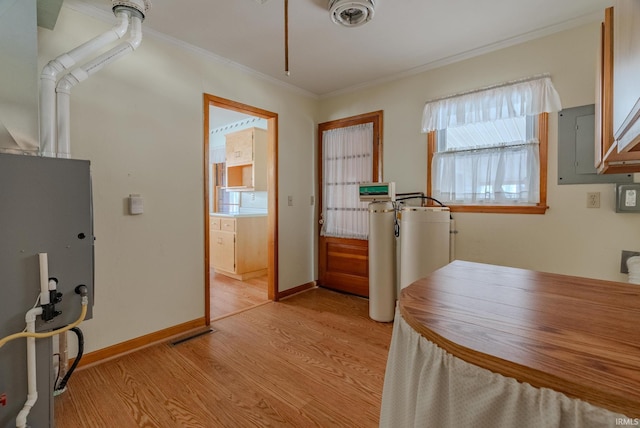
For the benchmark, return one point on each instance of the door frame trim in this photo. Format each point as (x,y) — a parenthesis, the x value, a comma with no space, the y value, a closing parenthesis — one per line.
(272,194)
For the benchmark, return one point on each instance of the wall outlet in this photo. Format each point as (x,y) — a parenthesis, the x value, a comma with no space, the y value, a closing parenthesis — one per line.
(290,201)
(593,199)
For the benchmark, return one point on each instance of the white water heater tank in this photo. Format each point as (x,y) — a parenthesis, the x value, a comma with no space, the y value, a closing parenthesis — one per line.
(424,242)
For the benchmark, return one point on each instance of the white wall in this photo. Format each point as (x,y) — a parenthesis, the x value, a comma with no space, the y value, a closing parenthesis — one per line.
(139,122)
(569,238)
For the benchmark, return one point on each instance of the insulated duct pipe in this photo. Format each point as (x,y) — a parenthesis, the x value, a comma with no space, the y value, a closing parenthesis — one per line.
(52,71)
(79,74)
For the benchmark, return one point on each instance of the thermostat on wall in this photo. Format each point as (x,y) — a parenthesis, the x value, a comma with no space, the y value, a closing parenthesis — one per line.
(135,204)
(628,198)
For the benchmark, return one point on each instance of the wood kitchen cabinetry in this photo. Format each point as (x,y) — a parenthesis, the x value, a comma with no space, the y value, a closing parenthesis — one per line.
(246,159)
(626,69)
(618,91)
(238,246)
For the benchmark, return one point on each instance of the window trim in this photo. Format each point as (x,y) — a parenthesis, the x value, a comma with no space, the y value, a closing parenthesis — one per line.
(540,208)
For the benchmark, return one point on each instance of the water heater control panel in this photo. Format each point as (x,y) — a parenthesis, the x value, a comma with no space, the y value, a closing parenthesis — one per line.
(377,192)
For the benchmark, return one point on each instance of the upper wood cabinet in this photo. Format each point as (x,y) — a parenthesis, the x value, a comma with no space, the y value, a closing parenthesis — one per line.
(610,156)
(239,147)
(626,70)
(246,159)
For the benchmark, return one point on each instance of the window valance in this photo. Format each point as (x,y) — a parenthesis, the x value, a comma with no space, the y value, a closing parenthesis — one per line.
(525,97)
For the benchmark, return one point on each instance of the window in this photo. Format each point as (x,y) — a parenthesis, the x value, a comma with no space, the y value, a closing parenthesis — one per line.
(487,149)
(347,161)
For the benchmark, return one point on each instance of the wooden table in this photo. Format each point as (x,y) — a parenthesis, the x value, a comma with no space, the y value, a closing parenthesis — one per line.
(577,336)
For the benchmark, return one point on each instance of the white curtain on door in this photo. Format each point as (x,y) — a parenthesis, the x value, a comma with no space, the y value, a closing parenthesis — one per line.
(347,161)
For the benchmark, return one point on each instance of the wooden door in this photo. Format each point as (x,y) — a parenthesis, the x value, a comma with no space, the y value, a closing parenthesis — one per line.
(343,263)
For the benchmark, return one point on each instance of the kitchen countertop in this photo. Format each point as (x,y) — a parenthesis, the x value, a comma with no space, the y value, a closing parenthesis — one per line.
(240,214)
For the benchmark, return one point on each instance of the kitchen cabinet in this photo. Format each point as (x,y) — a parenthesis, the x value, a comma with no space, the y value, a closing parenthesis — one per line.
(626,68)
(238,245)
(246,159)
(611,156)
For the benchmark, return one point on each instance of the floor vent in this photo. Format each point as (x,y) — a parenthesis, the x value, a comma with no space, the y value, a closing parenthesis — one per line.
(193,336)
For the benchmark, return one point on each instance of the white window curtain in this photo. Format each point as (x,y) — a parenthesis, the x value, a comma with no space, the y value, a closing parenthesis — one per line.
(347,161)
(488,150)
(500,175)
(526,97)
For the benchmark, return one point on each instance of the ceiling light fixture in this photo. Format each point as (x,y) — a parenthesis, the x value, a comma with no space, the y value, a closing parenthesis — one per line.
(351,13)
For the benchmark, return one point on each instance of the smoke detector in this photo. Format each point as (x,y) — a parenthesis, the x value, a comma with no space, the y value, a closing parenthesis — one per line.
(351,13)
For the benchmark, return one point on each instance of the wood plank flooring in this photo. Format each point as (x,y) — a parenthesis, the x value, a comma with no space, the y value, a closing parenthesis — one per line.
(230,295)
(312,360)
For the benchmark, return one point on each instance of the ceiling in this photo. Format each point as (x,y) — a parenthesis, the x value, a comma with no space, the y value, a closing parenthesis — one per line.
(404,37)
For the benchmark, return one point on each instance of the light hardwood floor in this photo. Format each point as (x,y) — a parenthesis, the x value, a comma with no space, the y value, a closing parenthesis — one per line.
(230,295)
(312,360)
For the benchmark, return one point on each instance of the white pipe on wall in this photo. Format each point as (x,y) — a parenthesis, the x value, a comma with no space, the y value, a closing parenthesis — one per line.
(44,278)
(32,388)
(55,67)
(77,75)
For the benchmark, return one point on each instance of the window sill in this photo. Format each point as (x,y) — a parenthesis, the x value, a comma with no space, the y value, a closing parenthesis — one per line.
(499,209)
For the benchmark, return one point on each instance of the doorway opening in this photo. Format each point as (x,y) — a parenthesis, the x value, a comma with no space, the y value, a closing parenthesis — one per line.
(240,177)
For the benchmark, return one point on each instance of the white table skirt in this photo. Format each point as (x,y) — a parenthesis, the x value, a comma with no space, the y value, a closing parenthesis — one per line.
(427,387)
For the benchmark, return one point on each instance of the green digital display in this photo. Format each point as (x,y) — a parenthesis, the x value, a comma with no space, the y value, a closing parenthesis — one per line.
(377,192)
(374,190)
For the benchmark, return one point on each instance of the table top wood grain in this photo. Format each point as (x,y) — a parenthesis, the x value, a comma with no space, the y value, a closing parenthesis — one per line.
(578,336)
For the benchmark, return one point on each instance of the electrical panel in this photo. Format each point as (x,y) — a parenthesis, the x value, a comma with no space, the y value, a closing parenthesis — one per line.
(45,207)
(576,149)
